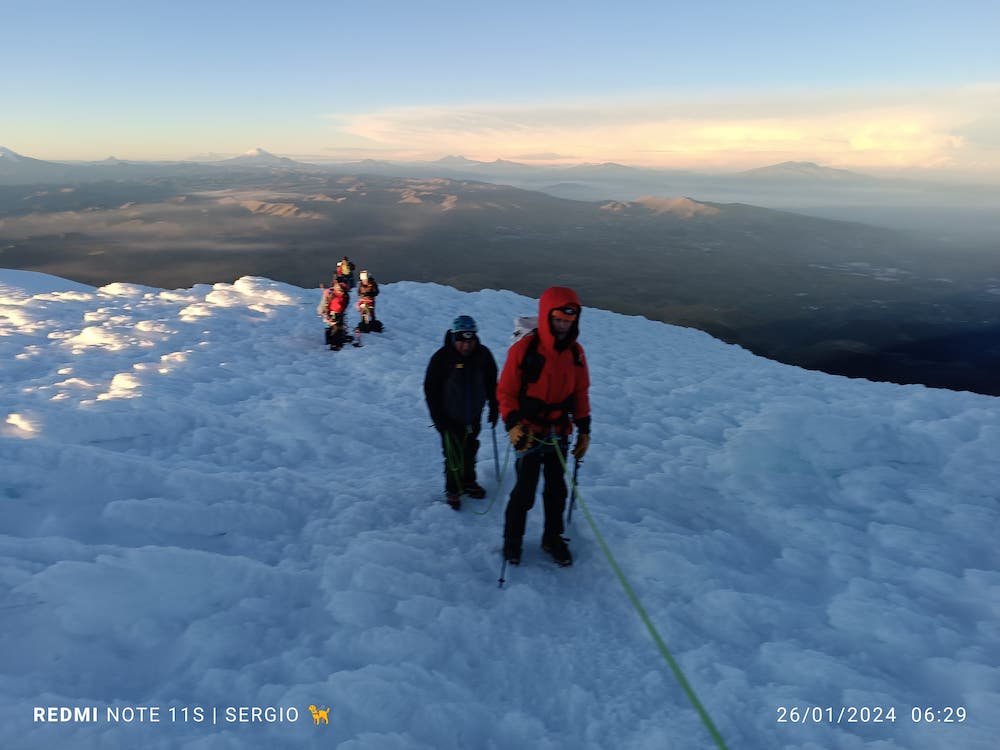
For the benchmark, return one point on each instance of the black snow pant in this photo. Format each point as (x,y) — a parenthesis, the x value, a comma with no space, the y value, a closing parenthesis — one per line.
(371,324)
(545,461)
(336,330)
(460,448)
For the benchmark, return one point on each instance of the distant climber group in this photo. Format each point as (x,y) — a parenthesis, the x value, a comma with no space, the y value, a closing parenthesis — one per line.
(336,299)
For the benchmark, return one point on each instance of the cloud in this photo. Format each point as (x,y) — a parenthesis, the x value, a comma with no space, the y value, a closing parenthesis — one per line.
(850,129)
(983,133)
(545,156)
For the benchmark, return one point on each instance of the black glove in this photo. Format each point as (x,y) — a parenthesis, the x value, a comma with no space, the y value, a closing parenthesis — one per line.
(494,415)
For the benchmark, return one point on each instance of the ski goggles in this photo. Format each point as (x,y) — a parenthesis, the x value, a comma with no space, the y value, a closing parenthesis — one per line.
(464,335)
(569,312)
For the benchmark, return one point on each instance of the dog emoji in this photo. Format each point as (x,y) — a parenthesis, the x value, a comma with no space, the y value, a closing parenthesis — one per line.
(320,715)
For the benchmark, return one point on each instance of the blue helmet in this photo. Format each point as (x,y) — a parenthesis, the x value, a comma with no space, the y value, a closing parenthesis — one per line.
(464,323)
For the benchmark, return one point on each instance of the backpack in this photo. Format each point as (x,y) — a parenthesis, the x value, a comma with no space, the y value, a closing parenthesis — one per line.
(523,325)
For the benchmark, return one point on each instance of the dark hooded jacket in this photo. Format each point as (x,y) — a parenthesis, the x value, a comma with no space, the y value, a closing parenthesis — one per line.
(367,289)
(561,392)
(457,387)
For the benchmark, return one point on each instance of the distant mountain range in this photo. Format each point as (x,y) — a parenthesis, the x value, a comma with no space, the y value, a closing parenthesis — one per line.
(15,168)
(950,212)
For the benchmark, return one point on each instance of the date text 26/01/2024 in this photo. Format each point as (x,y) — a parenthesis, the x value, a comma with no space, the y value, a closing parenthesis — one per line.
(868,714)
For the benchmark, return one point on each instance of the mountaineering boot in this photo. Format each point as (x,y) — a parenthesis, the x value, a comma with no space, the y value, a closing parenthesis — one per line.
(512,551)
(454,500)
(474,491)
(556,546)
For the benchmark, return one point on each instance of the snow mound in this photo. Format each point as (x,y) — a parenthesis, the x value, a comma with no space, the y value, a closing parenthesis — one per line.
(204,508)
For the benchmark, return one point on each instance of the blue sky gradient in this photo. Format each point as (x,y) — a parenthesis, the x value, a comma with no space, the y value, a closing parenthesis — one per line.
(878,86)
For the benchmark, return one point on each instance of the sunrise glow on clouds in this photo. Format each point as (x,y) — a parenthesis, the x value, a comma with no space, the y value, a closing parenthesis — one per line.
(922,130)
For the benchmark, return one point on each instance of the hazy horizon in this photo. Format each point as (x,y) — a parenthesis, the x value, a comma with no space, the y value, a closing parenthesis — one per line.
(942,177)
(888,90)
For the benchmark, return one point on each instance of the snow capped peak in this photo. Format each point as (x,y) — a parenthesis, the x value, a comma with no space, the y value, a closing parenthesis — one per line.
(259,157)
(13,162)
(457,161)
(6,153)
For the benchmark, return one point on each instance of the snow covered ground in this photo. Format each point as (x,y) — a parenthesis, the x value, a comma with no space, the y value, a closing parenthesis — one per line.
(204,511)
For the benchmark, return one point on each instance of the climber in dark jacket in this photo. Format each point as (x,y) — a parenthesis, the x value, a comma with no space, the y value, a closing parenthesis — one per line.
(461,378)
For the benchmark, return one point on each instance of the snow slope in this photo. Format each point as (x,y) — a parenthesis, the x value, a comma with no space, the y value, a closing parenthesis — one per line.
(202,508)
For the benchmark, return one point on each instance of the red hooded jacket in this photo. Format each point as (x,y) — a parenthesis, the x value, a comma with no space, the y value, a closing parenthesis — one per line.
(562,389)
(336,303)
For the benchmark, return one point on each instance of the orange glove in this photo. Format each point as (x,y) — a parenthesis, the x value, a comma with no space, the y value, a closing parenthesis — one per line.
(582,443)
(519,437)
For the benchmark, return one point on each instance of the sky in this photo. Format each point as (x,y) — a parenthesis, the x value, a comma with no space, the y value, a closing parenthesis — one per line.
(890,86)
(203,508)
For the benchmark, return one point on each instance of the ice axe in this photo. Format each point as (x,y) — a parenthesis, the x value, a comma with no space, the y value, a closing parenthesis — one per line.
(496,453)
(572,501)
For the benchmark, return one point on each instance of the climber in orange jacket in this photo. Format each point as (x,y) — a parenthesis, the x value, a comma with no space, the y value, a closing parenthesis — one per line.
(543,392)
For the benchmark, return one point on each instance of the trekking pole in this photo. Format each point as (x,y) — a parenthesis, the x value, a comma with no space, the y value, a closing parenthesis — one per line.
(496,453)
(572,501)
(503,569)
(454,458)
